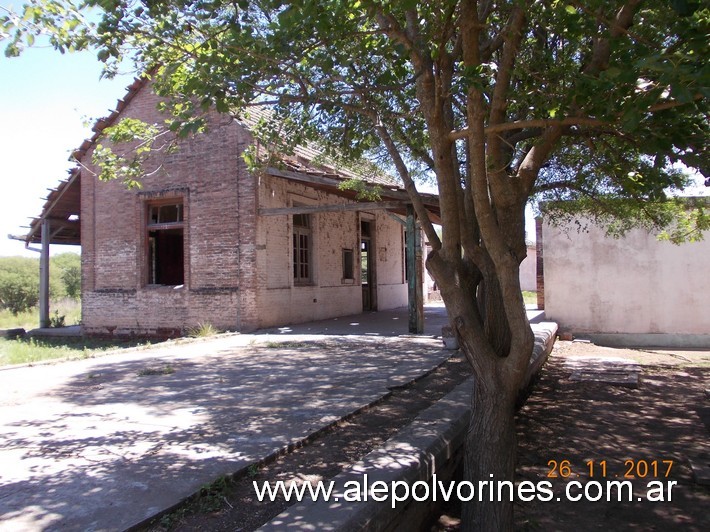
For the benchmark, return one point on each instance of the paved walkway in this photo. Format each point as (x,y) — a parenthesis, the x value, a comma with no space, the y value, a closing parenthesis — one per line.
(102,444)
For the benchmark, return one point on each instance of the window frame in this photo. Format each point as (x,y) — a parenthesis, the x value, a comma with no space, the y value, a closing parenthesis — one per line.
(300,233)
(150,226)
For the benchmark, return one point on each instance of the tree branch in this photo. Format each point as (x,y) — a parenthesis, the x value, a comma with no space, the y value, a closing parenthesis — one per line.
(537,156)
(534,123)
(409,186)
(601,50)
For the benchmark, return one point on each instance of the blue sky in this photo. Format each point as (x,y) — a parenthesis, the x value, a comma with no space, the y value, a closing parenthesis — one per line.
(45,98)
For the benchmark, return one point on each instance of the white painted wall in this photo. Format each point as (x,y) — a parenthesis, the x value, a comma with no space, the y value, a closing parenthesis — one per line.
(281,302)
(633,285)
(528,271)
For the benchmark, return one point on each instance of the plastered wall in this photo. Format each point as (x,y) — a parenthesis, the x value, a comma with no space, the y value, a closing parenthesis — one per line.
(635,285)
(280,301)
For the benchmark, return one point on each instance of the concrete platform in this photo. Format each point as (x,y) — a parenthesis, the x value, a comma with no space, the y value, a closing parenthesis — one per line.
(72,331)
(430,445)
(103,444)
(106,443)
(420,450)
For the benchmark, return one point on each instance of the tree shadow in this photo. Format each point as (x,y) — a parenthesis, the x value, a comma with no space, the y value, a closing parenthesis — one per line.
(630,434)
(119,440)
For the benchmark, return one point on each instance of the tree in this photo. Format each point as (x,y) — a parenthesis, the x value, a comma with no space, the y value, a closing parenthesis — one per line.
(498,101)
(19,283)
(69,271)
(19,280)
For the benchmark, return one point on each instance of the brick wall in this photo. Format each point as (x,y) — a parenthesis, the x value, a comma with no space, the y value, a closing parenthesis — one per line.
(238,267)
(208,175)
(279,300)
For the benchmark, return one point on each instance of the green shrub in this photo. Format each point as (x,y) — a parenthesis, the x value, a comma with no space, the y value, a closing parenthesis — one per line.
(19,280)
(19,284)
(56,320)
(67,267)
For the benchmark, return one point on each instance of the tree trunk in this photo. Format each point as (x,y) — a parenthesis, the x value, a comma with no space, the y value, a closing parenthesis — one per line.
(499,354)
(490,458)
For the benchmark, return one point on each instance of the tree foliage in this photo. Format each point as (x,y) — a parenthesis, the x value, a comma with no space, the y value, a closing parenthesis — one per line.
(499,101)
(67,267)
(19,280)
(19,284)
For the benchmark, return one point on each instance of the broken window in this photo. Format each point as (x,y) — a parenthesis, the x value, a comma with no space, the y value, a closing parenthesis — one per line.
(302,249)
(166,244)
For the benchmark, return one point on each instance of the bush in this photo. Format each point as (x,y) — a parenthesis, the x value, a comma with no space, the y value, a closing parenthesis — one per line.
(56,320)
(19,280)
(202,330)
(71,277)
(67,267)
(19,284)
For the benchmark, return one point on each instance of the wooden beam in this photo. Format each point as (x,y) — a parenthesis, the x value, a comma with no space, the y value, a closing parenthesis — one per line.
(398,219)
(303,178)
(59,223)
(341,207)
(429,199)
(415,274)
(65,186)
(419,269)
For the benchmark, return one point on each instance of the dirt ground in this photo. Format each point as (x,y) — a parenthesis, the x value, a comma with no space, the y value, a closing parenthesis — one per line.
(664,422)
(650,432)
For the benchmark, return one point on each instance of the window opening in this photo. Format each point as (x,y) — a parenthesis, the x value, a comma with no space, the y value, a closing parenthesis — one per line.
(348,256)
(166,244)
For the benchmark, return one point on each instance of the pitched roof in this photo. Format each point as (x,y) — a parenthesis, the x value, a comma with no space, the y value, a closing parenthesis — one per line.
(63,204)
(310,159)
(61,210)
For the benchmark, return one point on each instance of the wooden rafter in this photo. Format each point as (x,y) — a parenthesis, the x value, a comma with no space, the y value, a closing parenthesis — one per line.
(340,207)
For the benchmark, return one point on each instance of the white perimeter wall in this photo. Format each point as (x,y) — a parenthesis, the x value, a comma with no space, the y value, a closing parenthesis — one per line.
(636,284)
(528,271)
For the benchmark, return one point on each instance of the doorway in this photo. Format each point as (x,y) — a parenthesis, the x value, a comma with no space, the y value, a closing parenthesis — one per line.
(367,266)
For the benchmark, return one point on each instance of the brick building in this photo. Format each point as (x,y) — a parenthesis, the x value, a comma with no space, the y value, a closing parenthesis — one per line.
(206,240)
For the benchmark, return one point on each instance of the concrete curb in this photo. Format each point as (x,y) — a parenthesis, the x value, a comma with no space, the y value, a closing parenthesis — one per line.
(417,452)
(12,334)
(431,444)
(649,340)
(292,445)
(545,333)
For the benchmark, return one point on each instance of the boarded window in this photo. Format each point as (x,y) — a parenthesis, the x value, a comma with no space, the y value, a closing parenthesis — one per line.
(166,244)
(302,243)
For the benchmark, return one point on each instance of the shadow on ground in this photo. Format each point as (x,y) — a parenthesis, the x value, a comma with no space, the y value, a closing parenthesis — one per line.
(631,430)
(117,441)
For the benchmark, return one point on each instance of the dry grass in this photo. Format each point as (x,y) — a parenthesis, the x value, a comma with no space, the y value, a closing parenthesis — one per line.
(69,308)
